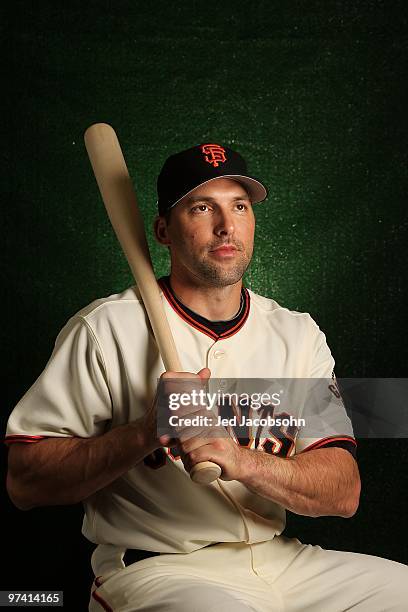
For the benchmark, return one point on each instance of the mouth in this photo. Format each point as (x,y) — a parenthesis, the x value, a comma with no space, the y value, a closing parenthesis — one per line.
(226,250)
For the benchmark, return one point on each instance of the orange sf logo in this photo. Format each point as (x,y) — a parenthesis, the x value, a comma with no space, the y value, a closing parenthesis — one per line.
(214,154)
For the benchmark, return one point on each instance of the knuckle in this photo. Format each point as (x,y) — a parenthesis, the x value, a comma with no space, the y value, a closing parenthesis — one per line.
(218,443)
(192,457)
(168,374)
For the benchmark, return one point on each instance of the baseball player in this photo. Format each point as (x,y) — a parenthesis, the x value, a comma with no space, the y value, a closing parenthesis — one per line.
(87,430)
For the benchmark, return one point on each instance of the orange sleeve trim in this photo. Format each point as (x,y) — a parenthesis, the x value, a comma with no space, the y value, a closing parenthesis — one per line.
(27,439)
(23,438)
(324,441)
(102,602)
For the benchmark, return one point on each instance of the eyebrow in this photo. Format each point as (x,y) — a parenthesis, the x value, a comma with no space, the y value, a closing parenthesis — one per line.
(194,199)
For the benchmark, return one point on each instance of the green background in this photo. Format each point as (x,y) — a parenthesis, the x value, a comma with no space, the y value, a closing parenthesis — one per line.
(313,94)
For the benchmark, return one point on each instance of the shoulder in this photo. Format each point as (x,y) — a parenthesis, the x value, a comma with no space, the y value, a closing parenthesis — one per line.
(129,299)
(113,311)
(295,330)
(271,309)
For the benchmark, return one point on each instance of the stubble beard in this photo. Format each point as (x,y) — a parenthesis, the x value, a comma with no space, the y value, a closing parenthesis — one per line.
(215,274)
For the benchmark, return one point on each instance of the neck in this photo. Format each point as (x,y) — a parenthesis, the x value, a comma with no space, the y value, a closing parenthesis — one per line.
(213,303)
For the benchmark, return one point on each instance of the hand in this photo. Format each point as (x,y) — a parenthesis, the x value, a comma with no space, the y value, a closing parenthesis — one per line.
(195,443)
(169,384)
(224,451)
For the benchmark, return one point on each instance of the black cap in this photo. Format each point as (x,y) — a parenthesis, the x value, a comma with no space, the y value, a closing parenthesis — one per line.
(184,171)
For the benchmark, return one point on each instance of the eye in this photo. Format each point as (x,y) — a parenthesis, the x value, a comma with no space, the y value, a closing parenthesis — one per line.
(200,208)
(241,207)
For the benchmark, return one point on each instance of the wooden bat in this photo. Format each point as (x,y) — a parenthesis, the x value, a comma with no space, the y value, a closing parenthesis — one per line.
(120,201)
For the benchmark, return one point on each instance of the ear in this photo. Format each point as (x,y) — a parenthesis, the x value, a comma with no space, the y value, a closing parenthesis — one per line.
(160,231)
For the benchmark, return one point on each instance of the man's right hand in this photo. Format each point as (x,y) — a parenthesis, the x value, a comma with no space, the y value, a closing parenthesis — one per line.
(171,382)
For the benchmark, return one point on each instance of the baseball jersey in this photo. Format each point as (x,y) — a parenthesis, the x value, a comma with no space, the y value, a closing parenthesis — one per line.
(103,373)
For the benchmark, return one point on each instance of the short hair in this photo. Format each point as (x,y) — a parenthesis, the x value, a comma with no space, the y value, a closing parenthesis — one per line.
(166,215)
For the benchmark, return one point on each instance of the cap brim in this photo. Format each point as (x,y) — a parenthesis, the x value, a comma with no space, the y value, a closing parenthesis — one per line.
(256,191)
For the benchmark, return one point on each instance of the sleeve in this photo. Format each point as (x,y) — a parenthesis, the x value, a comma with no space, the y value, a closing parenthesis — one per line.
(71,396)
(326,422)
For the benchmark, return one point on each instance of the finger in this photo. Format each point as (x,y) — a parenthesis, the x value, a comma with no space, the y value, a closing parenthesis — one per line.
(183,383)
(167,440)
(192,444)
(205,452)
(189,428)
(204,373)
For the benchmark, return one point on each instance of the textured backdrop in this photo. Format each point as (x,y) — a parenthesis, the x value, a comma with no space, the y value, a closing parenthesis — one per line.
(313,94)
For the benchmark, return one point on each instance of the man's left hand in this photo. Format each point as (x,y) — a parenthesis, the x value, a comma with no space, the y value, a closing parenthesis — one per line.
(230,456)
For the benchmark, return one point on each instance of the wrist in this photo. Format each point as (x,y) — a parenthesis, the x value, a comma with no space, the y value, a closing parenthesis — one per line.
(145,434)
(257,467)
(247,464)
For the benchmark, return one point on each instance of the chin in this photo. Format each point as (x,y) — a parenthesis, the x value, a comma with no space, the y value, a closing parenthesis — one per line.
(222,278)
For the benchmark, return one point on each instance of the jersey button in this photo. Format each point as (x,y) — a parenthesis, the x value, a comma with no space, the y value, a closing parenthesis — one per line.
(219,354)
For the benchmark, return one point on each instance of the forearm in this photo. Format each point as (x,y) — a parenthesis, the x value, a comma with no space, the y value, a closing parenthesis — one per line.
(323,482)
(65,471)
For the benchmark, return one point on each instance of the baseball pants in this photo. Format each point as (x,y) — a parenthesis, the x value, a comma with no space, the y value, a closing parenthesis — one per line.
(280,575)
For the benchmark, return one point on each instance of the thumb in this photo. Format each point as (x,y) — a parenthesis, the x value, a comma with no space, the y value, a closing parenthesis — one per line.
(204,373)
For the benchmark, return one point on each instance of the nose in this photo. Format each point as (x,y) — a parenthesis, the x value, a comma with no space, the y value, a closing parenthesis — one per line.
(224,224)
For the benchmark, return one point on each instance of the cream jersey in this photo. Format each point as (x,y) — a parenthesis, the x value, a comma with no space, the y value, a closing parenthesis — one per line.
(103,373)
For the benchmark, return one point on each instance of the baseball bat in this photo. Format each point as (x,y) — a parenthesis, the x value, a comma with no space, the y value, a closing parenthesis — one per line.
(120,201)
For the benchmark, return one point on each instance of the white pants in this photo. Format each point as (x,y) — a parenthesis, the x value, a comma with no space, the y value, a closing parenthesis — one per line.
(281,575)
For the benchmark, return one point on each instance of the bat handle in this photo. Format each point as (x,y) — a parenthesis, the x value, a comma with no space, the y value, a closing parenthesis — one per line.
(205,472)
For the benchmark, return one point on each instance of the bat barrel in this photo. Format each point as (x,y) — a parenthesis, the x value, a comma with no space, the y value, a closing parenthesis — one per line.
(119,197)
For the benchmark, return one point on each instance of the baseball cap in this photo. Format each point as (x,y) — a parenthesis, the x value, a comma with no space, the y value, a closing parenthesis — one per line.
(184,171)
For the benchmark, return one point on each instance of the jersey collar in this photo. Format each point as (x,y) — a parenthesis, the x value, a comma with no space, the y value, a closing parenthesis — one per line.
(217,330)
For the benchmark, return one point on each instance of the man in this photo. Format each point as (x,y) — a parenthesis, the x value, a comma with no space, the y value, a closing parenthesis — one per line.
(87,430)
